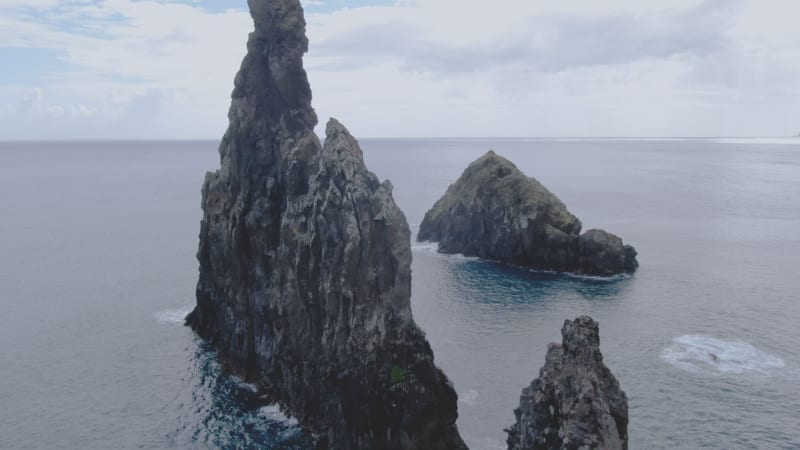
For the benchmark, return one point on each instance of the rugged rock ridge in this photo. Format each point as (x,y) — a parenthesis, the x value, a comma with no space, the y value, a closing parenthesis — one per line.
(305,260)
(576,402)
(496,212)
(305,277)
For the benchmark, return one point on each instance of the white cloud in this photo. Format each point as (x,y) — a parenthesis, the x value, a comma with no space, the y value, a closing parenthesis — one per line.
(548,43)
(422,67)
(55,111)
(548,68)
(123,59)
(31,104)
(28,3)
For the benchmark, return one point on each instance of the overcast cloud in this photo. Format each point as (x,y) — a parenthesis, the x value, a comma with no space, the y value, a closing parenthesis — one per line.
(154,69)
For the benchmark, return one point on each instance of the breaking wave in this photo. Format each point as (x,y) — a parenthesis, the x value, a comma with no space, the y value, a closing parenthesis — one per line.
(173,316)
(699,353)
(425,246)
(274,413)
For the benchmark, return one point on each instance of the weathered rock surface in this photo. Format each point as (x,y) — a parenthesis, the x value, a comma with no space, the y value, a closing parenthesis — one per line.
(576,403)
(496,212)
(305,260)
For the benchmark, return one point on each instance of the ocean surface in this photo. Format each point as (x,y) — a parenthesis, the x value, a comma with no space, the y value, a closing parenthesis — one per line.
(97,271)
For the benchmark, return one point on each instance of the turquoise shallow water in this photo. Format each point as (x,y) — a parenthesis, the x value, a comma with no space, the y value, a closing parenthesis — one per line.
(97,270)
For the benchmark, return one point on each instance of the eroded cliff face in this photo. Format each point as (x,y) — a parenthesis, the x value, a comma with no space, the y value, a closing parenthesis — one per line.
(494,211)
(305,260)
(576,402)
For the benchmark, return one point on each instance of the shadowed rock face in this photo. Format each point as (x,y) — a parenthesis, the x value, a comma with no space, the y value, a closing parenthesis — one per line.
(576,402)
(305,276)
(496,212)
(305,260)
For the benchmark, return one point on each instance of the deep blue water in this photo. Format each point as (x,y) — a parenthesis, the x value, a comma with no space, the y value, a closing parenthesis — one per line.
(97,270)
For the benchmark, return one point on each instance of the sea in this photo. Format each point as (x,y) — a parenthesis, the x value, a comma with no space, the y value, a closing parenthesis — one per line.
(98,270)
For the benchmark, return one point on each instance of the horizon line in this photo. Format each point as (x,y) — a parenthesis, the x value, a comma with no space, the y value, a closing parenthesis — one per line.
(204,139)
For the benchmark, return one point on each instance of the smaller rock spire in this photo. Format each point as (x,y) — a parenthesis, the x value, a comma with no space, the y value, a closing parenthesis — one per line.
(576,402)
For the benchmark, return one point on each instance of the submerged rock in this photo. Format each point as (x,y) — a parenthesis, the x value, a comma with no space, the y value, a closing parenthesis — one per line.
(305,258)
(494,211)
(576,402)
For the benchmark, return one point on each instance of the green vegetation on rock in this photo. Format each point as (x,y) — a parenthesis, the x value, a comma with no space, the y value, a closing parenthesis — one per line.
(398,376)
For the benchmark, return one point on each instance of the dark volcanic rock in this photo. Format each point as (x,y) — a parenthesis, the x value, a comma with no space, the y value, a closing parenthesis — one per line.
(305,275)
(576,402)
(496,212)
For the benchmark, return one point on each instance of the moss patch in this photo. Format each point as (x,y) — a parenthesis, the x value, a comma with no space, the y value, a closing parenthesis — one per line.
(398,376)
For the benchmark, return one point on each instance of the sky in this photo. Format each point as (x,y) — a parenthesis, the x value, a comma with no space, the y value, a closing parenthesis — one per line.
(159,69)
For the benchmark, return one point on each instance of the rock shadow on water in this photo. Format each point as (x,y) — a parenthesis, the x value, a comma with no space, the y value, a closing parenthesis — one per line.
(499,283)
(227,413)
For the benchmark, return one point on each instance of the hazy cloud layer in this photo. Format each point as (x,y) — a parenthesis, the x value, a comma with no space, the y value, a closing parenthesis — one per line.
(548,43)
(152,69)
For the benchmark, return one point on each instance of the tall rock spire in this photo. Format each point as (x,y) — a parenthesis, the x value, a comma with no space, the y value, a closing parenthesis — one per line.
(305,276)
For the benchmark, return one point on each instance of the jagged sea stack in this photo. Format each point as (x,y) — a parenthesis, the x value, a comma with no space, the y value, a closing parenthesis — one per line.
(305,260)
(576,402)
(496,212)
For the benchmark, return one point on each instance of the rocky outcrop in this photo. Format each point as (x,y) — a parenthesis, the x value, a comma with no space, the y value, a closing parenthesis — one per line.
(496,212)
(305,275)
(576,402)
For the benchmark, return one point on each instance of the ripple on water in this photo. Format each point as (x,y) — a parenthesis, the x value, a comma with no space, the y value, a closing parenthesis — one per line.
(698,353)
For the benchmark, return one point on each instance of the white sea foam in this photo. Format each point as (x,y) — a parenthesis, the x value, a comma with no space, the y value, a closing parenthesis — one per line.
(578,276)
(462,257)
(173,316)
(274,413)
(433,248)
(469,398)
(425,246)
(243,384)
(699,353)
